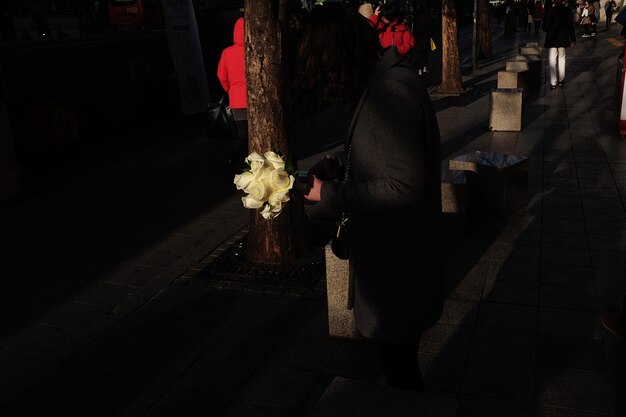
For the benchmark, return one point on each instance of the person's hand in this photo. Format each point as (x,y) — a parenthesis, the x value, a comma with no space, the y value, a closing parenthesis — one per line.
(326,169)
(377,10)
(315,192)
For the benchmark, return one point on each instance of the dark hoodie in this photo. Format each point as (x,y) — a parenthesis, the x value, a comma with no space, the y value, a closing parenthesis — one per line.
(231,70)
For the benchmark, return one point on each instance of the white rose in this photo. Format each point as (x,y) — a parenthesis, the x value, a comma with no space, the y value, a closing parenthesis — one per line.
(244,180)
(278,198)
(256,162)
(267,212)
(264,174)
(251,203)
(280,180)
(259,191)
(275,160)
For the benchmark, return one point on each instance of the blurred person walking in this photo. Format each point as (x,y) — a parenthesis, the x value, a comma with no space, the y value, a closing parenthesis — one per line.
(609,7)
(538,15)
(595,19)
(559,27)
(585,18)
(231,71)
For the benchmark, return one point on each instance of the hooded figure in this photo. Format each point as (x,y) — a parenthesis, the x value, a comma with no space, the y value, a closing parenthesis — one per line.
(392,32)
(231,70)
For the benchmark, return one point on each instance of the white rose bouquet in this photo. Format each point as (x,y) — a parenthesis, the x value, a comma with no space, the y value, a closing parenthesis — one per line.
(266,183)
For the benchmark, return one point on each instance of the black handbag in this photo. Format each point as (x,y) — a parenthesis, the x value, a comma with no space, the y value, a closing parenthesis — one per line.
(221,122)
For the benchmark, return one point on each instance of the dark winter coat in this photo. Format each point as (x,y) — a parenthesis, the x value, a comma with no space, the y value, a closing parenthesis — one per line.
(231,70)
(422,32)
(394,204)
(558,24)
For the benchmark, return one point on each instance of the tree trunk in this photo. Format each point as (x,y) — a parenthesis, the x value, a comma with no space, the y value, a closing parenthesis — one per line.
(282,239)
(484,29)
(451,65)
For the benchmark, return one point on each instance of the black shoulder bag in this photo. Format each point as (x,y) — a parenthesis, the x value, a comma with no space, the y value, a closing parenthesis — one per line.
(221,124)
(340,244)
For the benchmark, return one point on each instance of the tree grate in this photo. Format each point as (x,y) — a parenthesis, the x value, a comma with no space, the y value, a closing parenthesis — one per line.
(230,266)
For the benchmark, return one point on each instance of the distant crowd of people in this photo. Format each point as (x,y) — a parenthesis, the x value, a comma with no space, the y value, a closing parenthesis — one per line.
(519,16)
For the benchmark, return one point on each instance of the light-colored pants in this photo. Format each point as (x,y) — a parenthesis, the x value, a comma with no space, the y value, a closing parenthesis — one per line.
(556,60)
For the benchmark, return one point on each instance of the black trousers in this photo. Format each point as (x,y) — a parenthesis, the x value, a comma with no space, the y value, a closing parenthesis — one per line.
(400,364)
(239,149)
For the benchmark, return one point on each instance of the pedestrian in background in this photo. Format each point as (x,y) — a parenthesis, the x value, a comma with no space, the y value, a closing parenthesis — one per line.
(392,190)
(509,20)
(585,18)
(530,9)
(391,31)
(423,33)
(609,8)
(231,71)
(559,28)
(538,15)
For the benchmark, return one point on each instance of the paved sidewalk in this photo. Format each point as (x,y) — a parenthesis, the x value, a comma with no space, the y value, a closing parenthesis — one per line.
(520,334)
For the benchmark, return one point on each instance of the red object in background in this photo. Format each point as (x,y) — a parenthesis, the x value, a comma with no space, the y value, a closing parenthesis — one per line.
(620,93)
(126,14)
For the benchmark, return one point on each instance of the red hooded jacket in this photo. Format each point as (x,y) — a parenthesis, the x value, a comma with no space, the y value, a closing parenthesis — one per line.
(396,34)
(231,70)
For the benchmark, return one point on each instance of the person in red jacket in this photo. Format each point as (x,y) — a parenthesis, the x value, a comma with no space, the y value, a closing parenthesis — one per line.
(391,30)
(231,71)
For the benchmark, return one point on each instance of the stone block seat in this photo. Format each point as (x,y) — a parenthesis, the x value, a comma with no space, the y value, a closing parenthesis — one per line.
(530,63)
(498,183)
(505,110)
(514,79)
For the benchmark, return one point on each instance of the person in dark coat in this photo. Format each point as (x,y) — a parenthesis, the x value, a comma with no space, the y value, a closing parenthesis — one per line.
(392,194)
(231,71)
(558,24)
(422,32)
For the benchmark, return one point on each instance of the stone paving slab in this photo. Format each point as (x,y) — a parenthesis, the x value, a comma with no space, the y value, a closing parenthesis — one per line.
(346,397)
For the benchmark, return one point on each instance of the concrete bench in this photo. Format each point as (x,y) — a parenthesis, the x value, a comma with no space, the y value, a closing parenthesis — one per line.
(498,183)
(505,110)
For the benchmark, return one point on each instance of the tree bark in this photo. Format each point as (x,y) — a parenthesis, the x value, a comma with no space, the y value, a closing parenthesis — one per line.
(284,238)
(451,68)
(484,29)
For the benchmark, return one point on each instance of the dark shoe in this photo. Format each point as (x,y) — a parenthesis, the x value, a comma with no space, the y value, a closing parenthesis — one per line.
(552,87)
(561,83)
